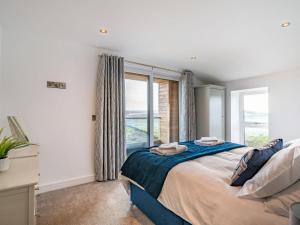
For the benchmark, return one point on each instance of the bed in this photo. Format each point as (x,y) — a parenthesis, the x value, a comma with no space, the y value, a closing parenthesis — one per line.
(198,192)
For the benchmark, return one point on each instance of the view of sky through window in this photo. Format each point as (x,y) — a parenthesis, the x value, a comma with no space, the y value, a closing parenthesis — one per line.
(136,95)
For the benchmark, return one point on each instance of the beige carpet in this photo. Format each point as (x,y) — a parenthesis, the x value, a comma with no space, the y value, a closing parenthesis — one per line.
(99,203)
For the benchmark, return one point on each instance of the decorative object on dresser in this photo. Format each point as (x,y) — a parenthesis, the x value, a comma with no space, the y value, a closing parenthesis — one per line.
(295,214)
(17,187)
(210,111)
(16,129)
(7,143)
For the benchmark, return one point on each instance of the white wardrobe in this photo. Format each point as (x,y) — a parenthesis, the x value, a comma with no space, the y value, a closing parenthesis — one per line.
(210,111)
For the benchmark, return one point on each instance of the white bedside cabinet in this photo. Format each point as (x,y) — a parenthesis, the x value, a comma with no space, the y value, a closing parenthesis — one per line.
(17,188)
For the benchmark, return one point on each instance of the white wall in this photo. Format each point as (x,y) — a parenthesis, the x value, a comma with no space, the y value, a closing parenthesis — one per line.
(197,82)
(284,103)
(58,120)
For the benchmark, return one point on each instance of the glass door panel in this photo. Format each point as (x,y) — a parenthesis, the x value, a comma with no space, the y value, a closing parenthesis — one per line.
(156,116)
(165,111)
(136,111)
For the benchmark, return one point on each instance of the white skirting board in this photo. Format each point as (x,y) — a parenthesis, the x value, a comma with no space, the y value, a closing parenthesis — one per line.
(65,183)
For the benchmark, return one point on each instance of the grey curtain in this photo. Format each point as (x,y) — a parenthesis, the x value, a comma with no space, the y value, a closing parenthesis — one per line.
(110,118)
(187,107)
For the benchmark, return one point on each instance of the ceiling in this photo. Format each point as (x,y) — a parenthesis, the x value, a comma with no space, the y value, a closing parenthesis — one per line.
(231,39)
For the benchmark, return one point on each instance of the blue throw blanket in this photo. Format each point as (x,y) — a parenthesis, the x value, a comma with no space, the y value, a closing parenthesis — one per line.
(150,170)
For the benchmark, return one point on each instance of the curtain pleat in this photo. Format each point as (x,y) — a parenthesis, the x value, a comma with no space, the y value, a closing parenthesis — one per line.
(187,108)
(110,117)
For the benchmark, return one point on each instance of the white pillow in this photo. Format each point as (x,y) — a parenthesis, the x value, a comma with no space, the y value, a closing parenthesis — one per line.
(281,171)
(289,143)
(280,203)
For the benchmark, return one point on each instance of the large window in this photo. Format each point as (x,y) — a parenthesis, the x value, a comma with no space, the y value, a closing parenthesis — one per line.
(151,111)
(249,116)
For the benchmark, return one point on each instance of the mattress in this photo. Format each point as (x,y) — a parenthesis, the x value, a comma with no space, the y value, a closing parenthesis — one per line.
(199,192)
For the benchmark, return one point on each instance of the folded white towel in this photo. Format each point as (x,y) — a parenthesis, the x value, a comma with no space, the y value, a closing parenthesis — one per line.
(207,143)
(172,145)
(208,139)
(173,151)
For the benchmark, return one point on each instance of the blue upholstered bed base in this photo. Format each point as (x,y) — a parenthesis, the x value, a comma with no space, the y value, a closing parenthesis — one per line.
(153,209)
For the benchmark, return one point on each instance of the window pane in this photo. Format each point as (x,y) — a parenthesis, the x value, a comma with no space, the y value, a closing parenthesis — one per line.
(136,102)
(256,119)
(256,136)
(256,108)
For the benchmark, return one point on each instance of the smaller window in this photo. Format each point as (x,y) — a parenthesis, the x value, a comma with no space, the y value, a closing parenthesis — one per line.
(250,117)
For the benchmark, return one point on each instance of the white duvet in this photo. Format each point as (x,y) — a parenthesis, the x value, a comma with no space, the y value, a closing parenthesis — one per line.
(199,192)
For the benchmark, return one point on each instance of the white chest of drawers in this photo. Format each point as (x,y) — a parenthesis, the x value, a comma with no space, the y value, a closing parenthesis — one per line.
(17,188)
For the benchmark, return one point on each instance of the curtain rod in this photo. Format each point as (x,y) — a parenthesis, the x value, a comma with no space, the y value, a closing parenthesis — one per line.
(157,67)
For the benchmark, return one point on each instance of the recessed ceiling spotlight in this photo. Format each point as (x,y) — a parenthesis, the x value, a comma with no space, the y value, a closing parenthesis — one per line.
(103,31)
(193,57)
(286,24)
